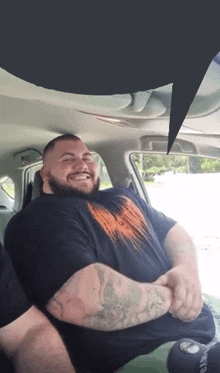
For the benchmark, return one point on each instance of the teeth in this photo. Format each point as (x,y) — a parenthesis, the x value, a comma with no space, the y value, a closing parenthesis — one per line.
(80,177)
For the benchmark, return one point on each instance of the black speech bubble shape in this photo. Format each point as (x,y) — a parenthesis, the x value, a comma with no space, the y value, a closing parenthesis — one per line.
(107,50)
(183,93)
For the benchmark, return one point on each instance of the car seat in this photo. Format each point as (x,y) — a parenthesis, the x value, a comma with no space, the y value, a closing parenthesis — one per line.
(34,189)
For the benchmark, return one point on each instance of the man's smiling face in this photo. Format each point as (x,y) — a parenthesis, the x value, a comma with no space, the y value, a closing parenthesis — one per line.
(69,168)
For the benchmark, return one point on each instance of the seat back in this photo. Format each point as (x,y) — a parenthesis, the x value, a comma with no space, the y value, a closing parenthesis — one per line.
(37,186)
(34,189)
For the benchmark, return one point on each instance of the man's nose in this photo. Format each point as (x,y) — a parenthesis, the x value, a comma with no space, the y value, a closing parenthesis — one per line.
(80,165)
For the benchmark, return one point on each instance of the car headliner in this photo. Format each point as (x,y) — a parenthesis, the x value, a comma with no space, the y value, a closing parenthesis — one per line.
(31,116)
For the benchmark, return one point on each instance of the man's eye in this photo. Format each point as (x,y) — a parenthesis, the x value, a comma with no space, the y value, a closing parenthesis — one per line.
(67,160)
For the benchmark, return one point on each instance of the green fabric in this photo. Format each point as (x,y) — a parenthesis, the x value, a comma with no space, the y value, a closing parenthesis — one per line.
(154,362)
(214,305)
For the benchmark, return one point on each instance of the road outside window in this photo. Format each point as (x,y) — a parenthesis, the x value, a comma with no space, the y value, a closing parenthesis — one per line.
(187,190)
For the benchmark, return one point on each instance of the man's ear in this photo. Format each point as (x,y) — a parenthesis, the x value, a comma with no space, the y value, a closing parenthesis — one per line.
(44,172)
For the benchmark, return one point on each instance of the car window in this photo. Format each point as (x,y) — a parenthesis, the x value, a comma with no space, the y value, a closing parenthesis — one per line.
(7,194)
(187,189)
(105,181)
(8,187)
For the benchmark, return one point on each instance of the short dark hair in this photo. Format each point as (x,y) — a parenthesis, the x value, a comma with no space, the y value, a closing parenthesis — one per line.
(50,146)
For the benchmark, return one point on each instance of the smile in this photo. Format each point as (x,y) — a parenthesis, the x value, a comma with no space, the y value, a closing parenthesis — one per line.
(80,177)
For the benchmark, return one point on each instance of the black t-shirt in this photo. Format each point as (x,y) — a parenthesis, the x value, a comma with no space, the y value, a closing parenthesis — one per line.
(13,302)
(54,236)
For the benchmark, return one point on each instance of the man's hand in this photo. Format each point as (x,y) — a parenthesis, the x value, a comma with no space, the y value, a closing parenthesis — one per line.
(185,284)
(183,278)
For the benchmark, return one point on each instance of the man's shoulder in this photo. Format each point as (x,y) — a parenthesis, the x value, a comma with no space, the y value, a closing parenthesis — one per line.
(29,213)
(119,190)
(46,202)
(15,225)
(127,192)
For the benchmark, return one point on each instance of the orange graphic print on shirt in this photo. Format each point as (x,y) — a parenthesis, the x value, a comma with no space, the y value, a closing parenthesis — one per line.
(126,224)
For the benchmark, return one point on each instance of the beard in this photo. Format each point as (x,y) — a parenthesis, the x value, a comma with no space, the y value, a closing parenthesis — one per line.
(61,189)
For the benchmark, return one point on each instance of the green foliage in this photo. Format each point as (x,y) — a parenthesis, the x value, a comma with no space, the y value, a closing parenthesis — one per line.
(154,171)
(150,165)
(182,170)
(210,165)
(194,165)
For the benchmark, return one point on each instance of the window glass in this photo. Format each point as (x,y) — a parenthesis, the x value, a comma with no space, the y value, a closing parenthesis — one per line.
(8,187)
(105,181)
(187,189)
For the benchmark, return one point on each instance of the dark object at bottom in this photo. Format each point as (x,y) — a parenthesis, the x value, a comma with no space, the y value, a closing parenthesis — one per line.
(6,365)
(188,356)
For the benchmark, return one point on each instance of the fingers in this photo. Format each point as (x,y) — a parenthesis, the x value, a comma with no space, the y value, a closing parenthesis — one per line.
(186,302)
(189,307)
(194,311)
(162,280)
(179,295)
(183,306)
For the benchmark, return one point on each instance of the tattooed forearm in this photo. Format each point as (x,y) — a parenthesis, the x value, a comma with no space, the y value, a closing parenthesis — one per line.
(154,304)
(125,303)
(99,297)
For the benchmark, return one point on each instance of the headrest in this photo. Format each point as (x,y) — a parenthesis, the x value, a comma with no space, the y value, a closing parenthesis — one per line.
(37,186)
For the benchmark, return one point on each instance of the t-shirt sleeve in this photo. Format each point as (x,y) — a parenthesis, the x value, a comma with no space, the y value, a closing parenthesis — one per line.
(160,222)
(13,302)
(47,250)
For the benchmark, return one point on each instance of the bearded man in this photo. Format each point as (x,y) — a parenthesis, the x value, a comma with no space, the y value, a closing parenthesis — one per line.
(116,277)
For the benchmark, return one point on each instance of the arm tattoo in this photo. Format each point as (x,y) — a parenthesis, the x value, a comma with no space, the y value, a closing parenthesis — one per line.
(107,300)
(124,305)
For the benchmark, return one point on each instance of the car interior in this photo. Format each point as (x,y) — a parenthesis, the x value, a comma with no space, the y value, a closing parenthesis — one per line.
(116,129)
